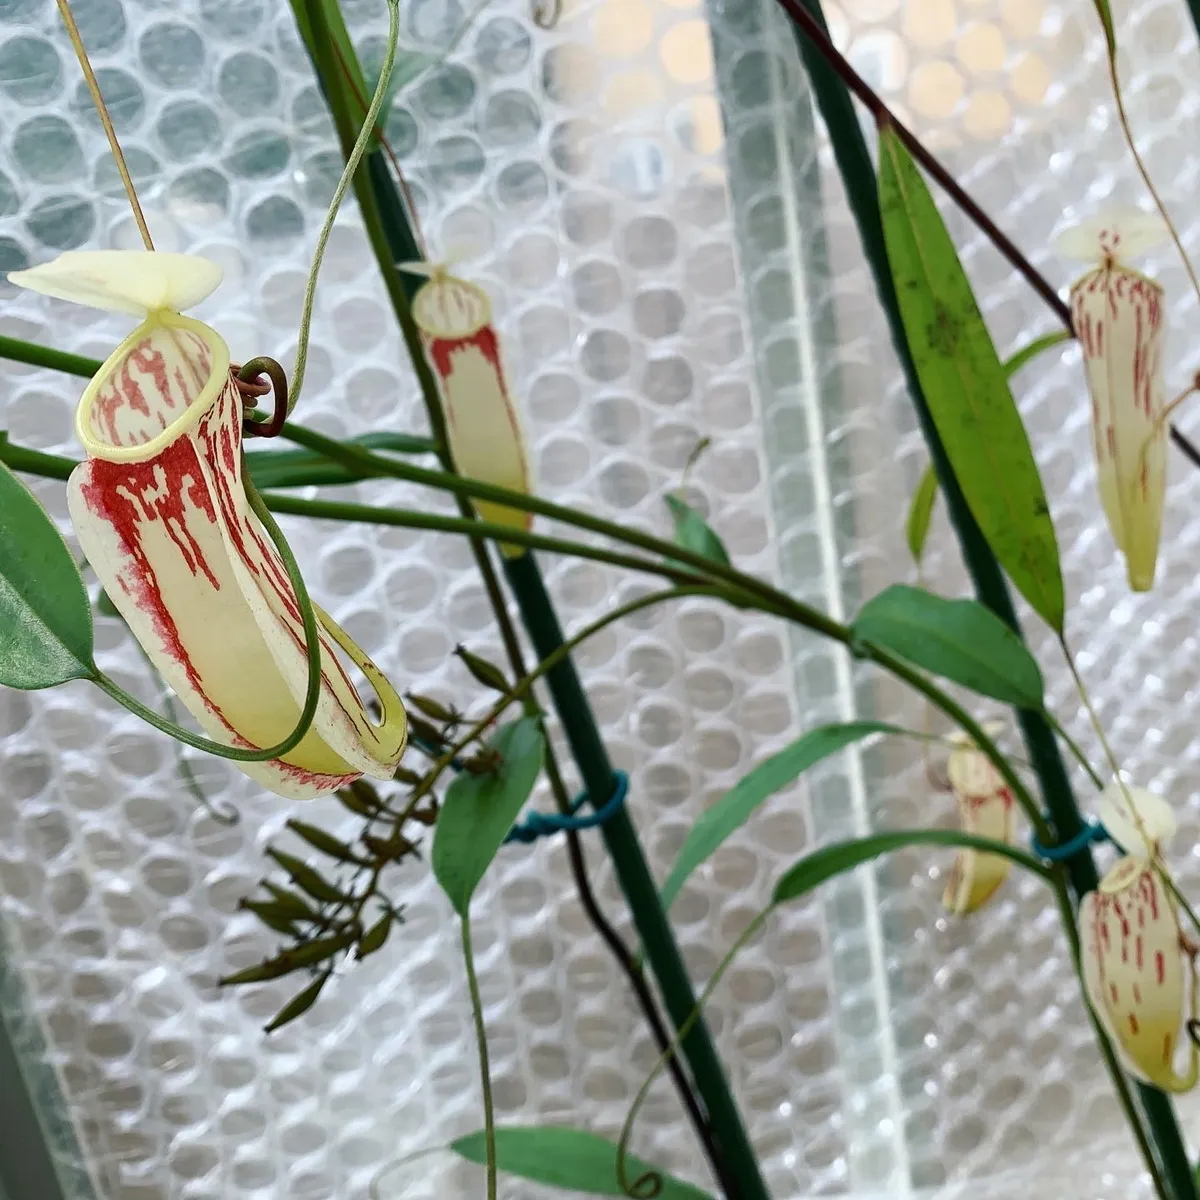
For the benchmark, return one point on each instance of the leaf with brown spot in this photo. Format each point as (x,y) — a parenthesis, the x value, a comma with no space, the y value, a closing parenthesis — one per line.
(966,386)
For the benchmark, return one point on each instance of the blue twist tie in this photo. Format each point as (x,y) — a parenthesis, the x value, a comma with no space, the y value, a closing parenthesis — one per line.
(1089,834)
(539,825)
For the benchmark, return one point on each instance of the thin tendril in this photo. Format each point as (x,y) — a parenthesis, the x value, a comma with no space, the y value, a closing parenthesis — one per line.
(489,1114)
(93,86)
(352,163)
(649,1184)
(373,1192)
(1113,765)
(1161,420)
(227,816)
(1181,900)
(1123,117)
(1155,856)
(410,209)
(1076,750)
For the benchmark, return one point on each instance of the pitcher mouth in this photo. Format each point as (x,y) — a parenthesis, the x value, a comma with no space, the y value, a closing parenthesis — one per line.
(121,418)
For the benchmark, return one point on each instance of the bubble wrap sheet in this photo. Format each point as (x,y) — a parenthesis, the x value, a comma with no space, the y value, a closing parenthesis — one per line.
(645,193)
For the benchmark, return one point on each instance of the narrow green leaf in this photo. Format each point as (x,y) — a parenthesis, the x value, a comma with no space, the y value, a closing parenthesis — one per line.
(1104,12)
(326,843)
(274,968)
(1038,346)
(571,1159)
(272,914)
(692,532)
(957,639)
(45,614)
(355,803)
(925,496)
(375,936)
(920,512)
(308,954)
(738,804)
(480,809)
(965,385)
(348,58)
(298,1005)
(308,879)
(291,902)
(814,869)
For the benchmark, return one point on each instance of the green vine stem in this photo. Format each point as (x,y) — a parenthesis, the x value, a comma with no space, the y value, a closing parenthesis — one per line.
(15,350)
(485,1074)
(353,157)
(724,583)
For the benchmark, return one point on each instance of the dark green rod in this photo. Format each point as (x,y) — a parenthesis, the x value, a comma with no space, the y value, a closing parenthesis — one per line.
(858,177)
(633,874)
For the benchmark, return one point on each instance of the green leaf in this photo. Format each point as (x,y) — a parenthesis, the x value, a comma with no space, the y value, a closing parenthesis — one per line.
(326,843)
(308,879)
(957,639)
(572,1159)
(308,954)
(273,968)
(375,936)
(925,496)
(1104,12)
(1038,346)
(693,533)
(272,915)
(291,902)
(965,385)
(738,804)
(45,614)
(920,512)
(479,810)
(299,1004)
(814,869)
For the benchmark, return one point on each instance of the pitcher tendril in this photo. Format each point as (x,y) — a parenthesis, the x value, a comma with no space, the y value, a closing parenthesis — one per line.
(1143,170)
(352,164)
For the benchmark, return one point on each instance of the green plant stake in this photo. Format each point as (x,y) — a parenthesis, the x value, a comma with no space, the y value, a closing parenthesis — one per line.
(633,874)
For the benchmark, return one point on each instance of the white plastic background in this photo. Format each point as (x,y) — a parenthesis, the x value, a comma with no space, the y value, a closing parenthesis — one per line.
(670,257)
